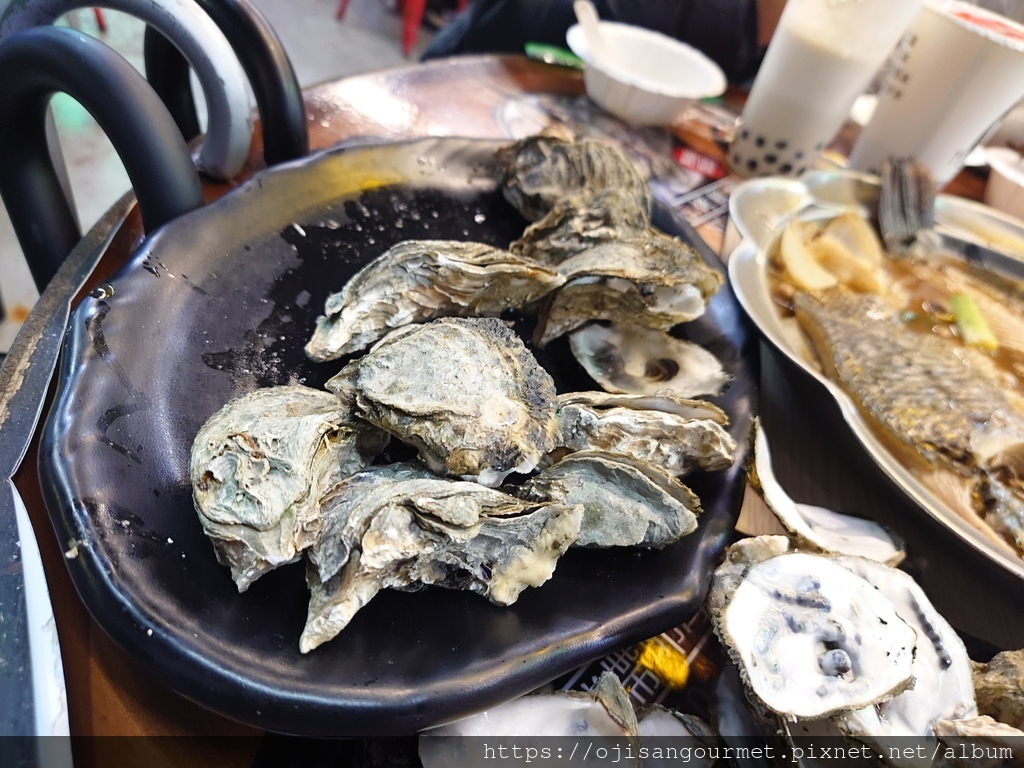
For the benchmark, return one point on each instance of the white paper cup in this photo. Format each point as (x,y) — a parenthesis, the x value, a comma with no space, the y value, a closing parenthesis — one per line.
(959,69)
(822,56)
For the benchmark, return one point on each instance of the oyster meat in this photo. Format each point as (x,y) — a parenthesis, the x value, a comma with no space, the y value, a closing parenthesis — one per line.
(465,392)
(663,438)
(259,466)
(811,638)
(406,538)
(630,359)
(419,280)
(538,171)
(625,503)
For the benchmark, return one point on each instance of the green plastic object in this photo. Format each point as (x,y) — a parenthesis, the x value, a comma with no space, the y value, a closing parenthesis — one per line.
(553,54)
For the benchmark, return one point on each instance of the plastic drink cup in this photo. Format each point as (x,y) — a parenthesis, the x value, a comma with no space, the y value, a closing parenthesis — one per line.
(958,70)
(822,56)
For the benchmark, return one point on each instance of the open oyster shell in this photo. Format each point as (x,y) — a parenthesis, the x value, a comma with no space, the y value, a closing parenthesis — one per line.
(625,502)
(686,408)
(811,638)
(667,440)
(465,392)
(627,358)
(259,466)
(817,528)
(942,688)
(538,171)
(419,280)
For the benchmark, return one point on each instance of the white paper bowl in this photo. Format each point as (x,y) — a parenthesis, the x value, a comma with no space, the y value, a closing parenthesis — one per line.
(1005,188)
(644,77)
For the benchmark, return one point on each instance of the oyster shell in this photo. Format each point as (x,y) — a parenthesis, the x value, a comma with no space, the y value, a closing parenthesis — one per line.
(683,407)
(812,638)
(402,548)
(419,280)
(538,171)
(978,742)
(999,687)
(259,466)
(631,359)
(650,278)
(579,222)
(817,528)
(465,392)
(738,559)
(942,688)
(625,503)
(673,443)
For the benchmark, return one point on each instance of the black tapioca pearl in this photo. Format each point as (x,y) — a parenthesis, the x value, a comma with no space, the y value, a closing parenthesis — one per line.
(752,164)
(799,154)
(781,145)
(771,159)
(785,168)
(737,159)
(759,141)
(745,133)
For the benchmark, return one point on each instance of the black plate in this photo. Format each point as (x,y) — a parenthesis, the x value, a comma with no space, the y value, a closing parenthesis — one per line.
(220,302)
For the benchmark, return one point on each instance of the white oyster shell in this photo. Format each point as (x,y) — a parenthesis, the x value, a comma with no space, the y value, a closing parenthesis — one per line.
(943,687)
(419,280)
(686,408)
(631,359)
(259,466)
(812,638)
(465,392)
(818,528)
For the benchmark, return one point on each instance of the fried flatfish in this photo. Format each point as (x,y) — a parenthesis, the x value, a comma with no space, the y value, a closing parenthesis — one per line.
(943,401)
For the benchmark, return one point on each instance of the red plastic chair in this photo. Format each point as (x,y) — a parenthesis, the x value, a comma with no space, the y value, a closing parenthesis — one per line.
(412,17)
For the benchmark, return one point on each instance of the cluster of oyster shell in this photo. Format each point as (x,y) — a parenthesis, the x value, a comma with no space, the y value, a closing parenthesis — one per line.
(291,472)
(832,640)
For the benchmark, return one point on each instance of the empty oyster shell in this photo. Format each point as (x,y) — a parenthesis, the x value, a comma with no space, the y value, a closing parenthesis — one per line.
(465,392)
(673,443)
(817,528)
(419,280)
(738,559)
(540,170)
(259,466)
(942,688)
(812,638)
(635,360)
(625,503)
(403,549)
(999,686)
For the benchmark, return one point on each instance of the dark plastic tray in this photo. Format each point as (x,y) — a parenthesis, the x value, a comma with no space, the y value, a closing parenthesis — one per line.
(221,301)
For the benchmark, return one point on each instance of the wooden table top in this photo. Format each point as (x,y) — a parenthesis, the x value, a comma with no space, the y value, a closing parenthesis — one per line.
(818,460)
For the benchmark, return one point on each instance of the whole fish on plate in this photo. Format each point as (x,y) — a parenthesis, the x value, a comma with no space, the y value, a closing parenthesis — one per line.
(944,402)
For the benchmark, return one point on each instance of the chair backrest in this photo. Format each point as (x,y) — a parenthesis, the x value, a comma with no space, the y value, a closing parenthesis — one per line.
(204,45)
(51,59)
(270,73)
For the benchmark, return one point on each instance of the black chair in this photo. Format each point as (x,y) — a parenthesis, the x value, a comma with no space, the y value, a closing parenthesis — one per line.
(262,56)
(51,59)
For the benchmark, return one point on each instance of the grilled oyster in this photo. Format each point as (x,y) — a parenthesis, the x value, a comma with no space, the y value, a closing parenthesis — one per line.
(816,528)
(999,686)
(259,467)
(465,392)
(540,170)
(649,278)
(665,439)
(683,407)
(625,502)
(419,280)
(811,638)
(628,358)
(409,533)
